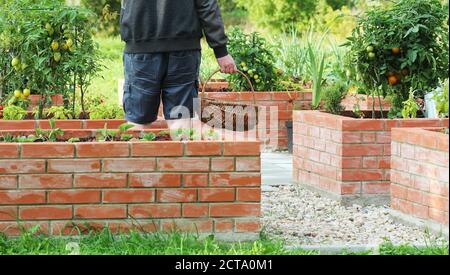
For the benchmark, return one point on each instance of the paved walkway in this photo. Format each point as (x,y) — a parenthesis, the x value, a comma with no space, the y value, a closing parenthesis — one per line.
(276,170)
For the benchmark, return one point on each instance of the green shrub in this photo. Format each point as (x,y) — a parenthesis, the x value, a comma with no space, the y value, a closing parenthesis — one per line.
(13,112)
(442,100)
(253,57)
(332,97)
(401,47)
(46,47)
(279,14)
(106,111)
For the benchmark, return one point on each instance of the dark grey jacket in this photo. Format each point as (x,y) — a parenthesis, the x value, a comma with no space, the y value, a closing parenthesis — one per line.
(150,26)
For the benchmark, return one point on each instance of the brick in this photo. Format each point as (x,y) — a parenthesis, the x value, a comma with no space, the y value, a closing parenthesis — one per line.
(9,151)
(22,197)
(72,228)
(73,166)
(195,210)
(222,164)
(100,180)
(101,212)
(101,150)
(132,165)
(235,210)
(420,211)
(363,125)
(176,195)
(439,216)
(362,175)
(155,211)
(229,180)
(398,191)
(351,137)
(438,202)
(369,137)
(100,123)
(155,180)
(223,226)
(242,148)
(362,150)
(203,148)
(16,229)
(74,196)
(22,166)
(351,188)
(17,124)
(183,164)
(376,188)
(438,188)
(128,196)
(8,213)
(8,182)
(195,180)
(46,181)
(248,194)
(248,226)
(126,227)
(216,195)
(157,149)
(48,150)
(248,164)
(351,163)
(45,212)
(200,226)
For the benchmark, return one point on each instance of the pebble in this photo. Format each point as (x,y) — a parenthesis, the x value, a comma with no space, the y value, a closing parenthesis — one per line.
(300,217)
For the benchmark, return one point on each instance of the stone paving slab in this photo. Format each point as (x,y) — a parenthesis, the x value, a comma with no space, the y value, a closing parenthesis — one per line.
(276,170)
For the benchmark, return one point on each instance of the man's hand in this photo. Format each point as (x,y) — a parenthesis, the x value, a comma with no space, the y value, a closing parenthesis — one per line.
(227,65)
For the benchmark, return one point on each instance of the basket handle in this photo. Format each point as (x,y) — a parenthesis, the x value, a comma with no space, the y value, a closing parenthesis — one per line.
(241,73)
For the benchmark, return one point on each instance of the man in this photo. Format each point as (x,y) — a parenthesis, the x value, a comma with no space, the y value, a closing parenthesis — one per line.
(162,55)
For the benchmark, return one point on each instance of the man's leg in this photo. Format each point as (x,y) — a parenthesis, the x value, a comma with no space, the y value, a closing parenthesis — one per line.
(180,88)
(142,91)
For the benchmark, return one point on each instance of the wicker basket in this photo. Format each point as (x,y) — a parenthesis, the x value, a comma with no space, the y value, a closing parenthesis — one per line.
(229,115)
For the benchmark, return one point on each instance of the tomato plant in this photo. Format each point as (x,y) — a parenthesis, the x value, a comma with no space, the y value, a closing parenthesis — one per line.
(254,58)
(401,47)
(46,48)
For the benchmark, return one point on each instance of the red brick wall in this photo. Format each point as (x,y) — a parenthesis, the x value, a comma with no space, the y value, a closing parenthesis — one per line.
(212,187)
(420,178)
(348,159)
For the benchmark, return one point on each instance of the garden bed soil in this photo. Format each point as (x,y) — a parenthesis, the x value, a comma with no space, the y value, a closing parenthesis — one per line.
(345,158)
(420,179)
(209,187)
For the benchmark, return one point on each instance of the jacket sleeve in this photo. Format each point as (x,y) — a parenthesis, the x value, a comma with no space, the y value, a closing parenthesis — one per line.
(212,25)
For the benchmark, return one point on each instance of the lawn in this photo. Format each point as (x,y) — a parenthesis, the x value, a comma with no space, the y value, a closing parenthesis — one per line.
(106,243)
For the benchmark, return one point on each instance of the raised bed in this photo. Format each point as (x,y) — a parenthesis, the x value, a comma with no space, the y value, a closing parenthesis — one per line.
(345,158)
(70,124)
(420,178)
(211,187)
(57,100)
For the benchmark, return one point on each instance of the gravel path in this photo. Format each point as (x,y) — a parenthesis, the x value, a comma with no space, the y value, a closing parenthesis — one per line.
(301,217)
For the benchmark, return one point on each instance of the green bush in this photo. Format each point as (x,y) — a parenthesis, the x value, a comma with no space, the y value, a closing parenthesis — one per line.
(332,97)
(442,100)
(279,14)
(401,47)
(46,47)
(254,58)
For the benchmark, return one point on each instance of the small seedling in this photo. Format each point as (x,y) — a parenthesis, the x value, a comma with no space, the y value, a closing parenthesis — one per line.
(149,137)
(49,135)
(73,140)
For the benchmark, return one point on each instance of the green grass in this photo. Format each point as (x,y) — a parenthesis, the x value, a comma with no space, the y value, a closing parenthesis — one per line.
(175,243)
(105,243)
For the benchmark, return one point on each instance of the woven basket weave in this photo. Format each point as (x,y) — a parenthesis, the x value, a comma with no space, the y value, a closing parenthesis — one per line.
(229,115)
